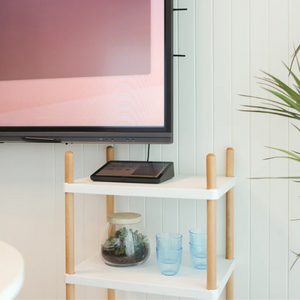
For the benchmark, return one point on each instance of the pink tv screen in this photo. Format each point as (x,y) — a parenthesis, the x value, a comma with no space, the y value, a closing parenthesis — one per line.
(75,63)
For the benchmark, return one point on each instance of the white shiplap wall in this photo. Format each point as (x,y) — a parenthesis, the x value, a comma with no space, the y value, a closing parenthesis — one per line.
(226,42)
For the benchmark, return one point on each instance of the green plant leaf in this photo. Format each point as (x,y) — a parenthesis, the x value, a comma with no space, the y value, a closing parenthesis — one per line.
(266,99)
(296,126)
(285,151)
(270,112)
(298,256)
(275,178)
(286,157)
(285,99)
(294,56)
(294,76)
(286,88)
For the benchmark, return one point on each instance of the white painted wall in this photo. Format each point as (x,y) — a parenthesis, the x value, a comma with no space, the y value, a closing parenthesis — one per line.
(226,43)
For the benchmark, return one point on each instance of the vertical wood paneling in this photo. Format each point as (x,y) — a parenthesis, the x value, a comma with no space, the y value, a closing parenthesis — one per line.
(222,80)
(91,215)
(259,55)
(241,144)
(30,213)
(294,203)
(122,152)
(79,214)
(186,113)
(59,177)
(170,152)
(221,99)
(153,210)
(204,92)
(186,103)
(137,204)
(278,138)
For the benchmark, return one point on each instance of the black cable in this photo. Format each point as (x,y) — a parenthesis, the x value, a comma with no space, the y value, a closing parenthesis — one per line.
(148,152)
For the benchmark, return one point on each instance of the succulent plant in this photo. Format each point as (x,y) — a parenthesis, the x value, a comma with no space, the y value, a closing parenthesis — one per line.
(126,243)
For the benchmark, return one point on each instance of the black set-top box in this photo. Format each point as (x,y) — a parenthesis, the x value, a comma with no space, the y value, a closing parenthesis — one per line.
(134,171)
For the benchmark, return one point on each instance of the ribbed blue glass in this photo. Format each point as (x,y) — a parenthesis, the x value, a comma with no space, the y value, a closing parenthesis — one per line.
(169,261)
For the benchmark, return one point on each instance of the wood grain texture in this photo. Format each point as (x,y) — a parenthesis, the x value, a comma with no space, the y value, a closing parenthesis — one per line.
(70,291)
(211,177)
(230,288)
(110,204)
(110,209)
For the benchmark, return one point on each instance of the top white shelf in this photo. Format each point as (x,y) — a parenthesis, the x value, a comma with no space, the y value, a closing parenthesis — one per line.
(179,187)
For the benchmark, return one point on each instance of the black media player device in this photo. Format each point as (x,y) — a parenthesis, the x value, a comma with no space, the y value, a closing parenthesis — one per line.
(135,171)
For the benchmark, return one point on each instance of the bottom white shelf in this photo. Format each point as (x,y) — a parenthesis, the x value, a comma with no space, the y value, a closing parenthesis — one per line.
(146,278)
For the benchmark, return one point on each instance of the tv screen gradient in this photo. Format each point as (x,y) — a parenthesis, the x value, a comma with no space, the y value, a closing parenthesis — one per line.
(82,63)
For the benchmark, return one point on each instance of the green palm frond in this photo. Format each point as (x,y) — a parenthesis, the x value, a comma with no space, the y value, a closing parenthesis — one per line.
(298,256)
(286,104)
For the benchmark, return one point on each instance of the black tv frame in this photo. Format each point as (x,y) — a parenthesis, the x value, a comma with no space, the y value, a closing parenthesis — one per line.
(141,135)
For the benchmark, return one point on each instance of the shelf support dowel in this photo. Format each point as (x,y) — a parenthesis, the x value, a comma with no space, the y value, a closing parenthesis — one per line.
(230,221)
(69,223)
(109,199)
(110,208)
(211,178)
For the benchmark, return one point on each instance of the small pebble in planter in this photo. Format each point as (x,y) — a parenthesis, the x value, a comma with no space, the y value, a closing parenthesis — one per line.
(126,245)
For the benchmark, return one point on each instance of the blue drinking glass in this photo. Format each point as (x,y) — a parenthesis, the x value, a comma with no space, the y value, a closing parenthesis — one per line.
(198,256)
(198,236)
(169,261)
(169,241)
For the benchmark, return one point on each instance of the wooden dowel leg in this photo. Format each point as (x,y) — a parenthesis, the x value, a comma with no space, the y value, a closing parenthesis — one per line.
(69,223)
(111,295)
(211,175)
(211,244)
(230,221)
(230,288)
(110,208)
(70,291)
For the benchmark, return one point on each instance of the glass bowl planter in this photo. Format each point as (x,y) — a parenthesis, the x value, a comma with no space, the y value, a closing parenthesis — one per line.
(124,243)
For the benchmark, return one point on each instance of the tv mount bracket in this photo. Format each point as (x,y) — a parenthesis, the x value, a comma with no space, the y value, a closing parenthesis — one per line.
(179,9)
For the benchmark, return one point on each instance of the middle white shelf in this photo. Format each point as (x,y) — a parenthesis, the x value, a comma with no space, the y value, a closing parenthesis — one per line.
(179,187)
(146,278)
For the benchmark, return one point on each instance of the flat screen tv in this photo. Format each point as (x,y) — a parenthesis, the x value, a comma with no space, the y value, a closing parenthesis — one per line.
(86,71)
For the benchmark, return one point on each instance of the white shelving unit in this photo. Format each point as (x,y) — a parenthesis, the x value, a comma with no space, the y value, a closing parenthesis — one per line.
(146,278)
(189,282)
(179,187)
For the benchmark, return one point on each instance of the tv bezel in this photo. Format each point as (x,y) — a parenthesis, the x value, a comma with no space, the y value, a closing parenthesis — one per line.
(93,134)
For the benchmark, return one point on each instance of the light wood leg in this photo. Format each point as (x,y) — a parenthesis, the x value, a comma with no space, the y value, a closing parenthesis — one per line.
(230,288)
(211,176)
(69,223)
(70,291)
(111,294)
(230,221)
(110,208)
